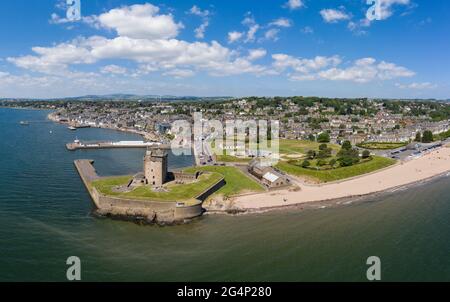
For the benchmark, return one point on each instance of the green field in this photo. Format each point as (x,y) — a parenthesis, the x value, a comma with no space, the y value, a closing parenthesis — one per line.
(296,148)
(381,146)
(236,180)
(336,174)
(232,159)
(176,192)
(289,147)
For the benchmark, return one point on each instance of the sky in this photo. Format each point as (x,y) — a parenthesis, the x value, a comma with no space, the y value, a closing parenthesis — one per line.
(328,48)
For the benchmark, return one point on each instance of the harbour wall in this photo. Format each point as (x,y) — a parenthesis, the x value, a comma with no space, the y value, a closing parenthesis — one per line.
(167,212)
(147,210)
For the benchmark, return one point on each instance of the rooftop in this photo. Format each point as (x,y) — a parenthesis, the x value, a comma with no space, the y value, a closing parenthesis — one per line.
(157,152)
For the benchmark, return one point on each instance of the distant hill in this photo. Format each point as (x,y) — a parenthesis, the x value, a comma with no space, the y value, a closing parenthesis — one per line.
(128,97)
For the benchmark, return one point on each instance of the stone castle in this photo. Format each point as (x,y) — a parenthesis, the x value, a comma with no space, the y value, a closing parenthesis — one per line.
(156,173)
(156,167)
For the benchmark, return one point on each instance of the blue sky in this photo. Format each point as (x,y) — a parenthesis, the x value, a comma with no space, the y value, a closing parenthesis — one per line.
(239,48)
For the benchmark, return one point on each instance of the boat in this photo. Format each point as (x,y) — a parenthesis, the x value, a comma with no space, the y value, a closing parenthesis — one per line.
(72,128)
(24,123)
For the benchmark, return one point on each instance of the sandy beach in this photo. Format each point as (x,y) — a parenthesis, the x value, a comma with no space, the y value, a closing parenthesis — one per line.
(406,173)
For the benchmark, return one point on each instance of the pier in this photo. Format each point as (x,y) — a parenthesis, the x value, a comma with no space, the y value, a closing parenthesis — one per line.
(77,145)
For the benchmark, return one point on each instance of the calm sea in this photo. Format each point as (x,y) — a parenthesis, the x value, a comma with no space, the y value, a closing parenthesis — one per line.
(45,217)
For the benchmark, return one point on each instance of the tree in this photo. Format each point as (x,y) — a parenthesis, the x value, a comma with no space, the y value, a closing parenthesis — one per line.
(311,154)
(332,162)
(324,151)
(321,162)
(348,156)
(323,138)
(311,137)
(427,136)
(418,137)
(306,164)
(366,154)
(346,145)
(346,161)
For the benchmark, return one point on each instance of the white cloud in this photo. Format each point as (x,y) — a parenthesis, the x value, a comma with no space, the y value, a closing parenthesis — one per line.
(333,15)
(386,7)
(255,54)
(307,30)
(140,22)
(142,38)
(365,70)
(54,60)
(157,50)
(358,26)
(200,31)
(204,14)
(418,86)
(294,4)
(249,19)
(300,65)
(56,19)
(195,10)
(281,22)
(113,69)
(327,68)
(180,73)
(253,28)
(234,36)
(251,33)
(272,34)
(155,54)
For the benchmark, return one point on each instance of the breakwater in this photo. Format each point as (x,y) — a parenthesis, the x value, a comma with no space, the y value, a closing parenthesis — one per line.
(118,145)
(146,211)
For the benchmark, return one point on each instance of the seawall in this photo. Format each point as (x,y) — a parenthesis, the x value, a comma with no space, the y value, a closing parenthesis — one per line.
(146,211)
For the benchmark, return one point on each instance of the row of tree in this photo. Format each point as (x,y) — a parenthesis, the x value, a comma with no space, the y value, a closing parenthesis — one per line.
(347,156)
(426,137)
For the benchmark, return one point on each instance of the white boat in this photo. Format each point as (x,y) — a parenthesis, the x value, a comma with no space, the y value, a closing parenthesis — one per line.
(72,128)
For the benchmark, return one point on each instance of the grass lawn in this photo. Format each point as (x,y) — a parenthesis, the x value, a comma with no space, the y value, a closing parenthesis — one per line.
(236,180)
(176,192)
(291,146)
(381,146)
(232,159)
(339,173)
(287,147)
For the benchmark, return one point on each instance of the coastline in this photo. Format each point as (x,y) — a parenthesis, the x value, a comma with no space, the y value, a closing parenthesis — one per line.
(27,108)
(421,170)
(325,204)
(414,172)
(143,134)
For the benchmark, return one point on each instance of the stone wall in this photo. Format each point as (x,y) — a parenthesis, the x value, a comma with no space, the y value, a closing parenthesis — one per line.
(211,190)
(151,211)
(166,212)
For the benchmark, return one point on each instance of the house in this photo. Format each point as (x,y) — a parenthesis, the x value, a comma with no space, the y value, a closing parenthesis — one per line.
(267,175)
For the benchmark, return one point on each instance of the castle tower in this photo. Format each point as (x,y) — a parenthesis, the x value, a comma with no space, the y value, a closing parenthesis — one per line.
(155,167)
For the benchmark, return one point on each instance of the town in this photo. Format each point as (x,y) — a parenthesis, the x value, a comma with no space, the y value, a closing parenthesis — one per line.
(305,118)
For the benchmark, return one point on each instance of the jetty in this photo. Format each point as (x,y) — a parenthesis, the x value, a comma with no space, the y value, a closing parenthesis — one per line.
(76,145)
